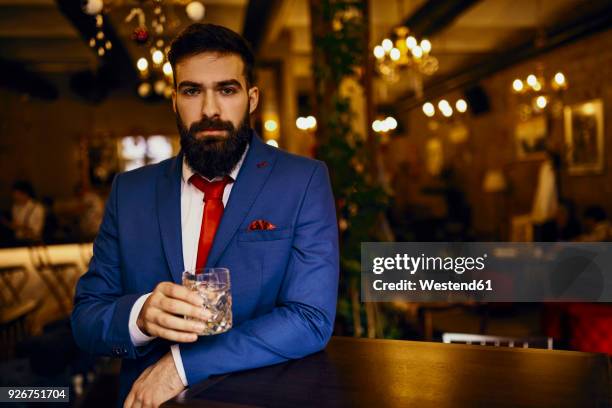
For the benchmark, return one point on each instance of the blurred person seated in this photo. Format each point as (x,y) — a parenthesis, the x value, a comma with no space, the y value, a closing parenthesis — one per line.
(91,211)
(596,225)
(545,201)
(567,223)
(82,214)
(27,215)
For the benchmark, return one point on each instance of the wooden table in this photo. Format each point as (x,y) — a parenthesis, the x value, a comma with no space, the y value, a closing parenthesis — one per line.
(389,373)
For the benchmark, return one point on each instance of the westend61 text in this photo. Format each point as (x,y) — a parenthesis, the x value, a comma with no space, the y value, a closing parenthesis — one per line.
(429,285)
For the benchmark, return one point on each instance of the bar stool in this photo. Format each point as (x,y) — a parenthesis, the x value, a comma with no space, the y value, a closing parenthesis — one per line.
(59,277)
(14,278)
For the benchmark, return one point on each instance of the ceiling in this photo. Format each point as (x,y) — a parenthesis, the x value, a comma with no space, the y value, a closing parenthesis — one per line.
(36,34)
(39,37)
(483,31)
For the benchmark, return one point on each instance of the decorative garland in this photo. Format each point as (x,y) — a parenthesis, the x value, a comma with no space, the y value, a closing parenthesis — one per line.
(340,52)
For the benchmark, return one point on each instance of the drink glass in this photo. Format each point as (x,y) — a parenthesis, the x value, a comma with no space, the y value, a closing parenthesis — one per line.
(213,285)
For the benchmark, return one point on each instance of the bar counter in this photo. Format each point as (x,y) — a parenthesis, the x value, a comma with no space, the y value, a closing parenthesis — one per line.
(389,373)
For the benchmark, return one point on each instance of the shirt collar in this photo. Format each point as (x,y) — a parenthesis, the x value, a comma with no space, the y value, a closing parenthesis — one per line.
(188,171)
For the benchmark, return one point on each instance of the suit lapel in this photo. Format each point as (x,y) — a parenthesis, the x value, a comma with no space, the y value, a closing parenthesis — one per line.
(169,216)
(253,174)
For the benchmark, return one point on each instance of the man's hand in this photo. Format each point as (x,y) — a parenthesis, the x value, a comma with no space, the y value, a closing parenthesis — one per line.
(162,313)
(156,385)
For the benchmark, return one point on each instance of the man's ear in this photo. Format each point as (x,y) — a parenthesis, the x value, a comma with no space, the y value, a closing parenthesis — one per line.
(253,98)
(174,100)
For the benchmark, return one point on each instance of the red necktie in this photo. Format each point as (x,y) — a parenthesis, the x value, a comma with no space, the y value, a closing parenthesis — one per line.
(213,211)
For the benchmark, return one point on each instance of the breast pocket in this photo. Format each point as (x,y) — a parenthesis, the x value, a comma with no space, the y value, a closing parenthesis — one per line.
(265,235)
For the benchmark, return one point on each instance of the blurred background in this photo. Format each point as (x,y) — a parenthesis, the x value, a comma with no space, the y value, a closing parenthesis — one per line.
(439,120)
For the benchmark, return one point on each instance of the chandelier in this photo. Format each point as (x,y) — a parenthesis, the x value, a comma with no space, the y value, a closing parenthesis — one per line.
(154,69)
(404,53)
(538,93)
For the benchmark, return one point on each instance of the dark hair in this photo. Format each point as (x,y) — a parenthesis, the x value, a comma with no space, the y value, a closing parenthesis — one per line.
(198,38)
(25,187)
(596,213)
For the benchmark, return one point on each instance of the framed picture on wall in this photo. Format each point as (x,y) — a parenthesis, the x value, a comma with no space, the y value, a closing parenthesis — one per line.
(584,137)
(530,138)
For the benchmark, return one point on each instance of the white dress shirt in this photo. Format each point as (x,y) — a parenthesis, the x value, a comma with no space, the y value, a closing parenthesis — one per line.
(192,208)
(29,220)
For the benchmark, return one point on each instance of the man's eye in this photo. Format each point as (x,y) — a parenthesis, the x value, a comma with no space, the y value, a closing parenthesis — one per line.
(190,91)
(228,91)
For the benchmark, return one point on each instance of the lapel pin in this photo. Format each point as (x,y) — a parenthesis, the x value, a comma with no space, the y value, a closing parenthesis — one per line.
(262,164)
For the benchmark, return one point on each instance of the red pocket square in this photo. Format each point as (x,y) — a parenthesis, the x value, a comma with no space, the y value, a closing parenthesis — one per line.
(261,225)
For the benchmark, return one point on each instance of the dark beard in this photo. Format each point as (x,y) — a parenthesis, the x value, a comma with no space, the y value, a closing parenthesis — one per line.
(214,156)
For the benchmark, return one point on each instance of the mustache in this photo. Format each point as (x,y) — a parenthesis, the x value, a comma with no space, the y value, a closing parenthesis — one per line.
(211,124)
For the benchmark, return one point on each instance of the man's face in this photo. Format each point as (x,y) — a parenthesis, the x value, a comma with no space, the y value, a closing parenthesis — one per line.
(212,105)
(213,86)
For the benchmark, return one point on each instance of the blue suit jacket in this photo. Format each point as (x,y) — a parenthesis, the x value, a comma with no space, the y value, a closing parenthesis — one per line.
(284,281)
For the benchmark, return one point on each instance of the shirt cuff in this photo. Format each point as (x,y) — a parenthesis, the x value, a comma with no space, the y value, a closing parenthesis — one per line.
(178,362)
(136,335)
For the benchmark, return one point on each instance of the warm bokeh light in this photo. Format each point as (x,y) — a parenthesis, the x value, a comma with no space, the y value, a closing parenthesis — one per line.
(390,123)
(417,51)
(387,44)
(144,89)
(428,109)
(142,64)
(443,104)
(379,52)
(272,142)
(300,123)
(311,122)
(426,46)
(159,86)
(306,123)
(395,54)
(271,125)
(517,85)
(195,11)
(411,42)
(559,81)
(167,68)
(532,80)
(157,57)
(461,105)
(377,126)
(541,102)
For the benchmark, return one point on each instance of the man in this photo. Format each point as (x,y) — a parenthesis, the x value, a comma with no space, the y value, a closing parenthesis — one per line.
(28,215)
(277,235)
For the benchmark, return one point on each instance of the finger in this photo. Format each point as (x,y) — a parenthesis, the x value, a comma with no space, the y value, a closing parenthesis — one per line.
(182,293)
(175,323)
(129,401)
(181,308)
(173,335)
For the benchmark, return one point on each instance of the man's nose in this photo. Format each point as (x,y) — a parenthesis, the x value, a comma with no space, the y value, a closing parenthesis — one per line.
(210,107)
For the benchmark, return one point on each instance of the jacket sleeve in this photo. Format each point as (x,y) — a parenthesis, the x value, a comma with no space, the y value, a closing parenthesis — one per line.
(101,309)
(302,322)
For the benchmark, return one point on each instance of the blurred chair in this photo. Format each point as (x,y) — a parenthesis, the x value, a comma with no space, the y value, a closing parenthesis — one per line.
(498,341)
(60,277)
(14,326)
(14,279)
